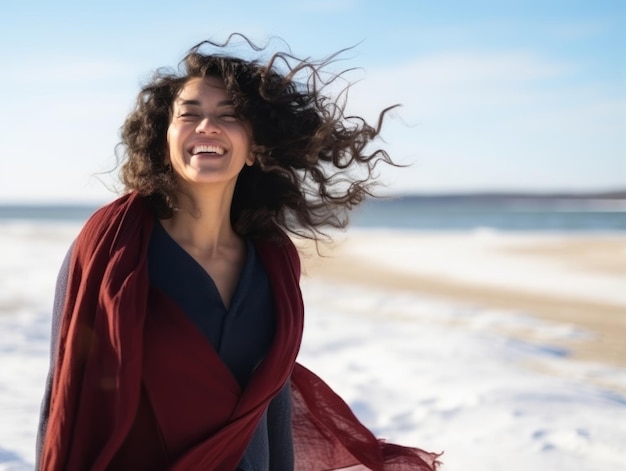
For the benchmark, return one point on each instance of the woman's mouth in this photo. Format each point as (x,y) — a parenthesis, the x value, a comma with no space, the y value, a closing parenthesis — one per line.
(204,149)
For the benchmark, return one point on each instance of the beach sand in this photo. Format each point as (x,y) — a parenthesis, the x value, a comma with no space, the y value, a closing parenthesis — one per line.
(574,280)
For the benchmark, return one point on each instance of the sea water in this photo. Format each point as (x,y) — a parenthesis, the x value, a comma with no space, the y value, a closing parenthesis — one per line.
(428,213)
(443,213)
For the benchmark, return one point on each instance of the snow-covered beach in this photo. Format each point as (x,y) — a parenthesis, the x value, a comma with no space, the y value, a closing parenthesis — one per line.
(500,349)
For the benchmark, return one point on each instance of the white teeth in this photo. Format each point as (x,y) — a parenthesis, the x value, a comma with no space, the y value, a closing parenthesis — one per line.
(208,150)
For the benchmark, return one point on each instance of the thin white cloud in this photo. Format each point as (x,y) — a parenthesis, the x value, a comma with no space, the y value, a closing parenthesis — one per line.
(470,86)
(471,66)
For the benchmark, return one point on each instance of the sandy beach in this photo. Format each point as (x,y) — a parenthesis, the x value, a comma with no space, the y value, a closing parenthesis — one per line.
(576,280)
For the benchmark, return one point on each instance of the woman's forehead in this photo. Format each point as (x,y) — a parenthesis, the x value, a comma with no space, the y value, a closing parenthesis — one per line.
(197,87)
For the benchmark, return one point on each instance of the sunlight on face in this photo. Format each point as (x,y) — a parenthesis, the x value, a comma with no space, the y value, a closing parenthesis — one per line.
(208,142)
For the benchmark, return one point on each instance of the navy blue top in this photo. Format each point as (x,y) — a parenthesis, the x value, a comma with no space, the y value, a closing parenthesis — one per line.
(241,334)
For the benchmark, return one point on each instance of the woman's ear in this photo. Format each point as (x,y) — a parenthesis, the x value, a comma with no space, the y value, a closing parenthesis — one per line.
(251,159)
(167,162)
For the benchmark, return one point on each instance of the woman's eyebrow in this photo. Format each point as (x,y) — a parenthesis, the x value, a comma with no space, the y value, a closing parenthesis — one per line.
(188,102)
(197,103)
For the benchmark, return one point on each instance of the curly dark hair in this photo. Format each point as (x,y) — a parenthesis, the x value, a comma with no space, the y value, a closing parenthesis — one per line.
(311,163)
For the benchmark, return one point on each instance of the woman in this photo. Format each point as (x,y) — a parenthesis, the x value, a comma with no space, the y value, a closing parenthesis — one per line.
(178,313)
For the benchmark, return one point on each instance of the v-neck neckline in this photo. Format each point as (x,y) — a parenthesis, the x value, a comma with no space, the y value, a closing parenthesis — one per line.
(242,280)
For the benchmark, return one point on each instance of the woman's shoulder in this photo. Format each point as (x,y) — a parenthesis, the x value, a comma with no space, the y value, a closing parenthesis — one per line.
(128,207)
(112,208)
(279,247)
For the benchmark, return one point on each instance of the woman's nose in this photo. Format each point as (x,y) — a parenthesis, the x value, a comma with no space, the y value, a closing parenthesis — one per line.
(208,125)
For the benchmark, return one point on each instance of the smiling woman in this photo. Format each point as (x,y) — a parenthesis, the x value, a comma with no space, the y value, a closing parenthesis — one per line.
(306,151)
(178,315)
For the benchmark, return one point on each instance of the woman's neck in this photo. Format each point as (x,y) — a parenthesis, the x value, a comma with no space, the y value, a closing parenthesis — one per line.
(203,220)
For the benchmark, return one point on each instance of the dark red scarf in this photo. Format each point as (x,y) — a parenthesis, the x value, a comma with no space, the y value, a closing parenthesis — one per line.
(114,363)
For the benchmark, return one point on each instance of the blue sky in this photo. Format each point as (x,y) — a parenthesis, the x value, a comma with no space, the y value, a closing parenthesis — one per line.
(516,95)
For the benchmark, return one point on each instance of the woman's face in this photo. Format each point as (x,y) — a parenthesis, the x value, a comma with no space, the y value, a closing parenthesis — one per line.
(208,144)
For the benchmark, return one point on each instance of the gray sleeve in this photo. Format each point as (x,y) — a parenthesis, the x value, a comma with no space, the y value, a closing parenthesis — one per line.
(57,312)
(271,446)
(279,430)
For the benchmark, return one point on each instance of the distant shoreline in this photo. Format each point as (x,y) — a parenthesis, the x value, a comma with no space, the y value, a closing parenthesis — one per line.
(451,196)
(491,195)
